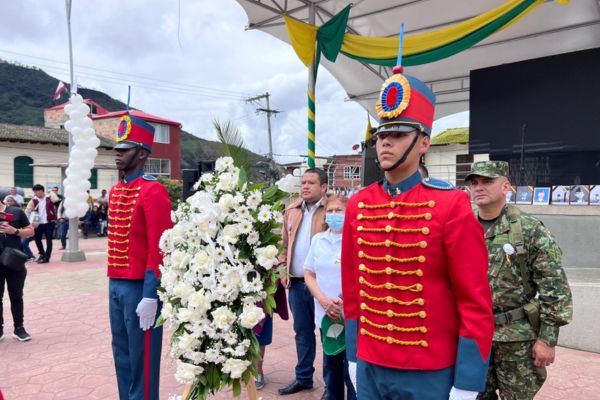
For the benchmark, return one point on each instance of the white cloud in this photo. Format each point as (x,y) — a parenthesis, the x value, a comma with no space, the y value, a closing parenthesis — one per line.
(219,63)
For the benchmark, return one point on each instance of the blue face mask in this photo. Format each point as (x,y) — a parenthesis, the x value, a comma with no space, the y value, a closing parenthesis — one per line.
(335,221)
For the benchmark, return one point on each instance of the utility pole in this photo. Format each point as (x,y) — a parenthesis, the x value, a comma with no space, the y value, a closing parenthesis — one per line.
(269,112)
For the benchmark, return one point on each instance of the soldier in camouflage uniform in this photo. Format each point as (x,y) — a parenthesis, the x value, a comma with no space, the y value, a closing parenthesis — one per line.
(530,292)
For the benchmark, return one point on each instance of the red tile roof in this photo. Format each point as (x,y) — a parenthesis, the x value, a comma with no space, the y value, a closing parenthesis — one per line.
(99,108)
(139,114)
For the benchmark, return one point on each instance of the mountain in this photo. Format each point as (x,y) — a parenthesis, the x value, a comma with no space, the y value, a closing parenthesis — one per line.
(25,92)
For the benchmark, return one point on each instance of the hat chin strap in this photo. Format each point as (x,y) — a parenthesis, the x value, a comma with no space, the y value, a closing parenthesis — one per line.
(402,159)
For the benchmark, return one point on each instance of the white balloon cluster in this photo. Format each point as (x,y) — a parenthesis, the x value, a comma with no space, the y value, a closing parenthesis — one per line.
(81,157)
(289,184)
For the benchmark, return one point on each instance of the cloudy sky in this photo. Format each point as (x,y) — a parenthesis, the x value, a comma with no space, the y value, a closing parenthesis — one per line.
(193,69)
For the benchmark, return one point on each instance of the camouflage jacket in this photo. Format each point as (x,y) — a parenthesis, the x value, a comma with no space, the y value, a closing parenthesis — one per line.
(546,277)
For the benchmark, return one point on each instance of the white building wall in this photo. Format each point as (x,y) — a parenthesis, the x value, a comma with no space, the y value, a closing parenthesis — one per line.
(47,153)
(441,160)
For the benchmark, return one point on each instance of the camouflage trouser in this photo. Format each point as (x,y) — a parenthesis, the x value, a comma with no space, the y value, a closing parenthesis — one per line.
(512,372)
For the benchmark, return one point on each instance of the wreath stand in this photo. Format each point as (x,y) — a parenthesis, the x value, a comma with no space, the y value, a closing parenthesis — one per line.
(250,389)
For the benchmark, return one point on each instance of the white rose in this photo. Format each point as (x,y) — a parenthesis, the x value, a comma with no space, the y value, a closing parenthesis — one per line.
(227,202)
(187,373)
(231,233)
(266,256)
(179,260)
(227,182)
(202,258)
(223,318)
(235,367)
(199,301)
(251,316)
(183,290)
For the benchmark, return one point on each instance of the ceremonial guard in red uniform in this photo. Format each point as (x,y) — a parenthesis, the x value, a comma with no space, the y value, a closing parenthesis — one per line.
(417,301)
(139,211)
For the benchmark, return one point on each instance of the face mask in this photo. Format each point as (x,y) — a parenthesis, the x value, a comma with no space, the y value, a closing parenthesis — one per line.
(335,221)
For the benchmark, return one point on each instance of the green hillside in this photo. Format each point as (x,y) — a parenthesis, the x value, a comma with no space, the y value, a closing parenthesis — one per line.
(25,92)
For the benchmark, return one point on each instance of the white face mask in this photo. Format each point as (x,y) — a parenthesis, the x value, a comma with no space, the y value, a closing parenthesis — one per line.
(335,221)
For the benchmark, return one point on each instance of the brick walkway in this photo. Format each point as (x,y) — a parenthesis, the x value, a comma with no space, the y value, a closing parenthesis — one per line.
(70,357)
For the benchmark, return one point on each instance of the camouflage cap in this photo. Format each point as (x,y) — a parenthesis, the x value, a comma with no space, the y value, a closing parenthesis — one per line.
(489,169)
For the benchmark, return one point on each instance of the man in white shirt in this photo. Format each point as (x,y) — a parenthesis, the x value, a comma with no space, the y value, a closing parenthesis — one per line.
(302,220)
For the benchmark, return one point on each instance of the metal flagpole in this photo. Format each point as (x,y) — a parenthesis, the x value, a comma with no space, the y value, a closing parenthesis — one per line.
(311,99)
(73,254)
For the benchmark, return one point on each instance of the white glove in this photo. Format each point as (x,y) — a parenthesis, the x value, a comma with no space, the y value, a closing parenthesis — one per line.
(352,373)
(460,394)
(146,310)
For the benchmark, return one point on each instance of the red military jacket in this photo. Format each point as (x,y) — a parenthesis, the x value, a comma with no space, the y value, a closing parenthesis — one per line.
(139,211)
(414,277)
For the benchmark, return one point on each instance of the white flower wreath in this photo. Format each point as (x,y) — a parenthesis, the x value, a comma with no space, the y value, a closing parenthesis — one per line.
(218,278)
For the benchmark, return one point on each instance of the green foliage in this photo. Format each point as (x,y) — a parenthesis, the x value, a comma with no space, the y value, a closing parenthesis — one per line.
(232,144)
(174,187)
(25,92)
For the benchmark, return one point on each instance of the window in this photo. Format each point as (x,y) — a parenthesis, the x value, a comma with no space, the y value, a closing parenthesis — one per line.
(158,167)
(23,171)
(463,167)
(94,179)
(352,172)
(161,133)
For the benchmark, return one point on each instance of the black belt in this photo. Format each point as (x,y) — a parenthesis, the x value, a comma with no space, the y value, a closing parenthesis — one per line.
(296,278)
(505,318)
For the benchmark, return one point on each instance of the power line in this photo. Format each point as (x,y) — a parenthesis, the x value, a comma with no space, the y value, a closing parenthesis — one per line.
(214,91)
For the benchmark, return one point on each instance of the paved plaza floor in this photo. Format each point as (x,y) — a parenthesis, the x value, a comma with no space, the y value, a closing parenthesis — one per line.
(69,357)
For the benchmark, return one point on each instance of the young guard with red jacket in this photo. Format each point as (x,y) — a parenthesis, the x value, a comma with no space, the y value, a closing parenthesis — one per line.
(139,211)
(417,302)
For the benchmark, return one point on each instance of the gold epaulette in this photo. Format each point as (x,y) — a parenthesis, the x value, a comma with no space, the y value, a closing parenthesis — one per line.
(389,243)
(392,215)
(389,271)
(417,287)
(391,340)
(392,327)
(390,299)
(390,258)
(389,228)
(393,204)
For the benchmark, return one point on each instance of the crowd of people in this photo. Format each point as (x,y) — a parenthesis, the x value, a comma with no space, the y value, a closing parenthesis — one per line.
(37,221)
(415,294)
